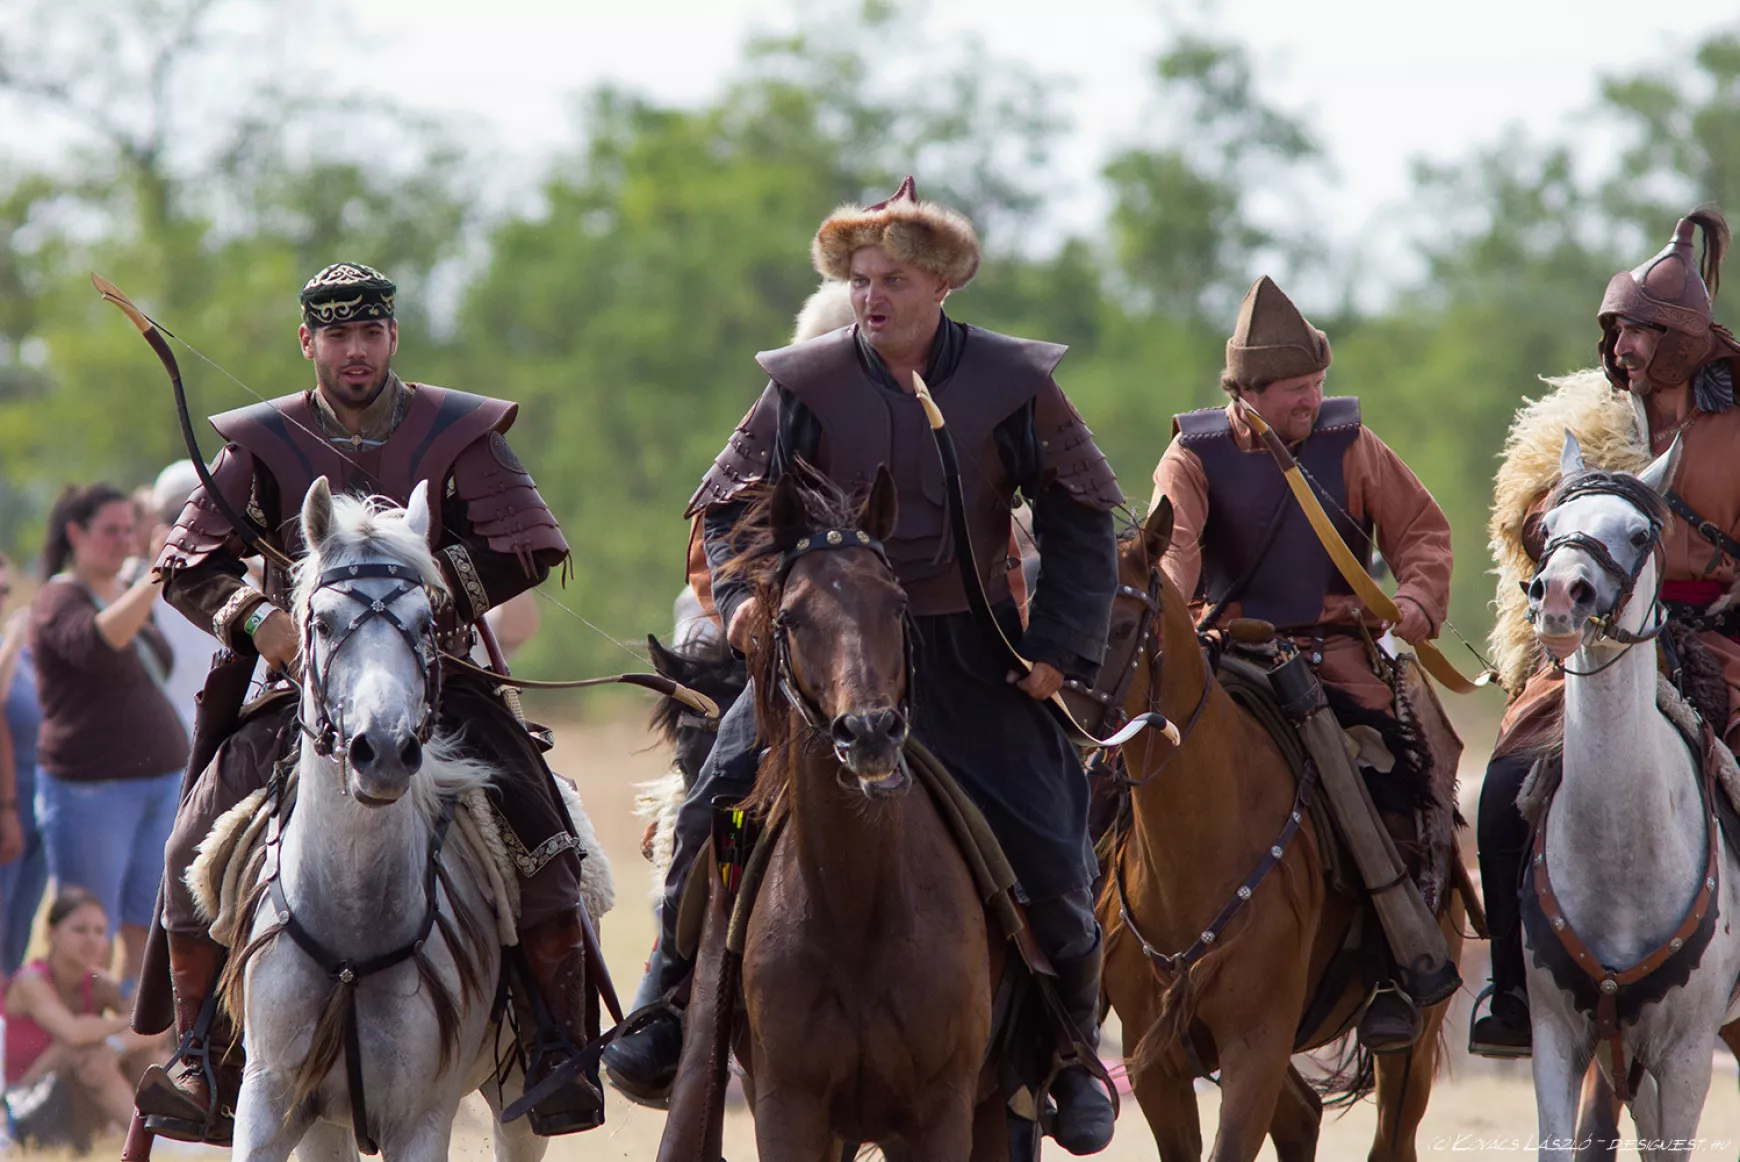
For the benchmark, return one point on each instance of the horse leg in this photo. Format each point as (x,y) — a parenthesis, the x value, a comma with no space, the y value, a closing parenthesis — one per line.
(1298,1119)
(792,1126)
(424,1139)
(266,1127)
(514,1141)
(1561,1055)
(327,1142)
(1404,1086)
(1598,1122)
(1169,1104)
(1252,1072)
(948,1132)
(1682,1083)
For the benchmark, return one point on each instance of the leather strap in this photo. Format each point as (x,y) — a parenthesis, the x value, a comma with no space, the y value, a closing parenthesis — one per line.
(1726,545)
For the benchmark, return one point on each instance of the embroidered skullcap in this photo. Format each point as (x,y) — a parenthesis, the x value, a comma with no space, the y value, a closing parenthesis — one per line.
(346,292)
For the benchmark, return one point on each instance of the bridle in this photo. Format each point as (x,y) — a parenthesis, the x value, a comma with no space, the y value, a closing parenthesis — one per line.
(1607,624)
(785,675)
(326,735)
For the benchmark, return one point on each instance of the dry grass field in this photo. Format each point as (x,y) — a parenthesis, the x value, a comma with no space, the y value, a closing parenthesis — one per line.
(1480,1110)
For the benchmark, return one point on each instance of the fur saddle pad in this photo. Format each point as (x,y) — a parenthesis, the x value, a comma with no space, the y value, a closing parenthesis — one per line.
(1544,776)
(231,858)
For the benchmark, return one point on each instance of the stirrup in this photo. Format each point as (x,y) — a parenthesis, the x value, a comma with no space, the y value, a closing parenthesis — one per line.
(1494,1049)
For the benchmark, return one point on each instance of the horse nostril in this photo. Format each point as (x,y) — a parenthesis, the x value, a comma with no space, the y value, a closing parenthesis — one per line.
(361,752)
(1581,593)
(847,729)
(411,754)
(892,725)
(1537,590)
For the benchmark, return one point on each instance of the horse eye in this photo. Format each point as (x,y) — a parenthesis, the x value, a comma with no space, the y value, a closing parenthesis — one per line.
(1122,632)
(1639,539)
(322,625)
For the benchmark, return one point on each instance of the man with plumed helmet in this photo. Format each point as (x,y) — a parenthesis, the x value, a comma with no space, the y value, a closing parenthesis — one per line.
(844,404)
(369,433)
(1667,372)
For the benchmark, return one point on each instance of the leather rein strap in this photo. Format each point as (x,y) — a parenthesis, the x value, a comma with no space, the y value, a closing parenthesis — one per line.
(1609,981)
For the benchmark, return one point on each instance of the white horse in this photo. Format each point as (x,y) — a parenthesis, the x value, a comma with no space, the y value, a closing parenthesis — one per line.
(1628,847)
(355,869)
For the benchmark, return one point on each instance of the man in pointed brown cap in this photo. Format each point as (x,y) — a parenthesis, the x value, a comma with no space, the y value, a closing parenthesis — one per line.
(844,404)
(1667,371)
(1242,547)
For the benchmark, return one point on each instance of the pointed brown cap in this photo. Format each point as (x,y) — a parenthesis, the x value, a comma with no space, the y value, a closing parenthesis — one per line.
(1272,339)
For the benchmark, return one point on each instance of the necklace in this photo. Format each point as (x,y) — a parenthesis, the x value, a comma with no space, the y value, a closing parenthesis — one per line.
(1669,433)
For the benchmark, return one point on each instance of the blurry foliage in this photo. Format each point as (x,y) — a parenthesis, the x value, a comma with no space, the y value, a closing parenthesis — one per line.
(670,244)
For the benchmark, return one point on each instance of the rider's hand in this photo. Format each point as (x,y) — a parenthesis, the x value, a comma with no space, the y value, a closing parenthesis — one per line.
(276,640)
(1041,682)
(11,834)
(1414,628)
(738,634)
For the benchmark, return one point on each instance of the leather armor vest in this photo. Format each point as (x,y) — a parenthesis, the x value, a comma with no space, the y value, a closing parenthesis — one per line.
(864,425)
(1287,583)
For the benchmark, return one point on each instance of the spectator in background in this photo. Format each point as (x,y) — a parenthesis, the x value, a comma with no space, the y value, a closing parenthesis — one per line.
(112,747)
(193,645)
(23,868)
(68,1045)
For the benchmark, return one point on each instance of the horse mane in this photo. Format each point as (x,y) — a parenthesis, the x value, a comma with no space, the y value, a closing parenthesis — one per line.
(756,562)
(371,528)
(707,664)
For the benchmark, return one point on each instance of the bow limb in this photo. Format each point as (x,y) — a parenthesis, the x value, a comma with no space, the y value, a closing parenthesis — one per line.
(980,603)
(1370,594)
(245,528)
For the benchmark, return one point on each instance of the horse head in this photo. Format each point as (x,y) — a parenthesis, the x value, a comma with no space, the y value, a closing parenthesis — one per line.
(708,666)
(832,648)
(370,663)
(1602,535)
(1106,705)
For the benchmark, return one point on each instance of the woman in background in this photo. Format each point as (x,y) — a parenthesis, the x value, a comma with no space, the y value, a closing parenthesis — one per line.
(112,746)
(67,1035)
(23,867)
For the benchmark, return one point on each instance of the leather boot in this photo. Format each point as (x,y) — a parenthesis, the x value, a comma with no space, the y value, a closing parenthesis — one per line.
(1504,837)
(642,1061)
(563,1019)
(193,1099)
(1505,1031)
(1391,1021)
(1085,1119)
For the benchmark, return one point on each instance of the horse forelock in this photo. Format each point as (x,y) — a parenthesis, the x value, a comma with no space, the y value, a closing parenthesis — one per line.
(369,529)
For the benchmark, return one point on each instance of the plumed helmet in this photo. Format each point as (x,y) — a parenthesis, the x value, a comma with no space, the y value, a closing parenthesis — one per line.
(1272,340)
(925,234)
(1672,291)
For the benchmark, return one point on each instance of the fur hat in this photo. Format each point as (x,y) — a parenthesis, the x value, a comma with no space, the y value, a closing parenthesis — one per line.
(935,237)
(1674,292)
(828,309)
(1272,339)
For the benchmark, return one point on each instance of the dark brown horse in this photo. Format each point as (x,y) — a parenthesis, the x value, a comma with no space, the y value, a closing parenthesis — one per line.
(1207,814)
(867,971)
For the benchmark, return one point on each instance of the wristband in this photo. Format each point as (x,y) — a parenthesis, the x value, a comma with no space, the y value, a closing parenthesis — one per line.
(257,618)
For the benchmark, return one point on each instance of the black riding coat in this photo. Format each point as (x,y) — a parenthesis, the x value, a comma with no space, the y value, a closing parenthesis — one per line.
(1005,748)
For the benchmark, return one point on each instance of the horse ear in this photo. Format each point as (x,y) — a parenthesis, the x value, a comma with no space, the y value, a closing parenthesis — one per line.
(663,660)
(1660,475)
(1571,459)
(317,513)
(417,512)
(1157,530)
(882,507)
(788,516)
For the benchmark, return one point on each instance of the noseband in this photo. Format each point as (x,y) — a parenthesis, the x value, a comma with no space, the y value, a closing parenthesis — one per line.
(1636,494)
(327,736)
(824,541)
(1109,698)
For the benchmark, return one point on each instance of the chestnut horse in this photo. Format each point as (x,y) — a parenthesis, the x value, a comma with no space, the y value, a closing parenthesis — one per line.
(867,969)
(1206,814)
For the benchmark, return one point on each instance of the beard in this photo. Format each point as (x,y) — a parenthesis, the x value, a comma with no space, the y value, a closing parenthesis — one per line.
(354,396)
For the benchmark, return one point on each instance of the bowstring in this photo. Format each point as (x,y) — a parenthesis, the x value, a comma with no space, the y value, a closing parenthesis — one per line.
(1325,496)
(339,452)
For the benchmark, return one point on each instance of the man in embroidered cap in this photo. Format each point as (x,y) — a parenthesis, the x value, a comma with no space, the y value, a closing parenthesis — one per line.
(1667,371)
(844,403)
(368,432)
(1242,547)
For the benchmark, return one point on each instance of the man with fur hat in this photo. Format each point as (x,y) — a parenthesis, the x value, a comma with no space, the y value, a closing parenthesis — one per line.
(1667,372)
(844,404)
(368,433)
(1242,547)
